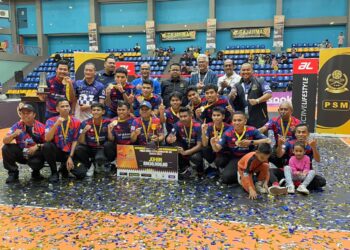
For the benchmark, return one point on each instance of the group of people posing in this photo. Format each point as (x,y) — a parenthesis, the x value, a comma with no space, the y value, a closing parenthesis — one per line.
(218,125)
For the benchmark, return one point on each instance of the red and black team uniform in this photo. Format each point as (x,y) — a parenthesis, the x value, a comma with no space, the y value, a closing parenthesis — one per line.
(95,138)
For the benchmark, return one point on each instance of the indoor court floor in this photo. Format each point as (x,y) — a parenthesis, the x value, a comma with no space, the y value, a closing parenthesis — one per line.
(118,213)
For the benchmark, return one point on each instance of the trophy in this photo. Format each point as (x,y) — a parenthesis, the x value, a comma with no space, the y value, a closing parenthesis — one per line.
(42,88)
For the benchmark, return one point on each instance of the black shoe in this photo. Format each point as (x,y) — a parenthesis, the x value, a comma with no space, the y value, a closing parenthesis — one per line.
(54,178)
(64,172)
(13,178)
(36,176)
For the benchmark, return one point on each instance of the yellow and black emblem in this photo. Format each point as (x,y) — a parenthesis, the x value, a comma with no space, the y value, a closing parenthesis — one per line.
(336,82)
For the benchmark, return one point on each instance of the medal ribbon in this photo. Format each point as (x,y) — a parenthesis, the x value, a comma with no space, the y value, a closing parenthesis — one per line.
(174,113)
(216,132)
(285,131)
(97,135)
(148,129)
(240,137)
(65,129)
(188,136)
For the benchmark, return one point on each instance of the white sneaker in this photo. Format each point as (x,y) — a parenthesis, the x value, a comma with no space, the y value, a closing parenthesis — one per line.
(302,189)
(291,189)
(259,187)
(91,171)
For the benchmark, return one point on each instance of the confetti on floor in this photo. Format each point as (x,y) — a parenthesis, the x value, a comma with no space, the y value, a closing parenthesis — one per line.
(149,214)
(25,227)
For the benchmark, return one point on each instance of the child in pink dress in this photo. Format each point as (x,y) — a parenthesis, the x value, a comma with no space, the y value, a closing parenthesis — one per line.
(299,170)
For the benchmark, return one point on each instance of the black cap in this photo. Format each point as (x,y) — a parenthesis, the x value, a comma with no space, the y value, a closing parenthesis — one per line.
(28,107)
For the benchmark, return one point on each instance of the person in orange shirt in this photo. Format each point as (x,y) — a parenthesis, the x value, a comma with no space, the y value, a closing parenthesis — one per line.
(255,162)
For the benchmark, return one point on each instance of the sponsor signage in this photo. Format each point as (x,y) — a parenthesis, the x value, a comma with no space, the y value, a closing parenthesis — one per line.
(251,33)
(304,90)
(178,35)
(333,106)
(130,66)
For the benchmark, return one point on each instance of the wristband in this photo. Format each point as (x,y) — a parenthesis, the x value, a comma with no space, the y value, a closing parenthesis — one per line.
(257,100)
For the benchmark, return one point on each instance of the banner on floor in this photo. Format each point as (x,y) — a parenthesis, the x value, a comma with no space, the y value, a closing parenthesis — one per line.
(278,31)
(147,162)
(211,33)
(178,35)
(251,33)
(333,104)
(304,90)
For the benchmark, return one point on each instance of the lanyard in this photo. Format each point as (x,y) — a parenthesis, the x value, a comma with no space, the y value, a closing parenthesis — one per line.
(65,129)
(174,113)
(205,76)
(148,129)
(97,135)
(216,132)
(188,136)
(285,131)
(240,137)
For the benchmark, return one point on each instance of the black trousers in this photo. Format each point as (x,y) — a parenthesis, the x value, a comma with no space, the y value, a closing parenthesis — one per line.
(277,174)
(110,150)
(12,154)
(229,174)
(196,159)
(87,155)
(53,154)
(220,159)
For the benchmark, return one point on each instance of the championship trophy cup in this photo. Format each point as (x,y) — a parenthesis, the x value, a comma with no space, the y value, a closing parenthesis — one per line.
(42,88)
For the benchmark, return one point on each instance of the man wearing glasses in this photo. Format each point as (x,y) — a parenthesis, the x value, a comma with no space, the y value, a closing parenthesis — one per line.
(145,75)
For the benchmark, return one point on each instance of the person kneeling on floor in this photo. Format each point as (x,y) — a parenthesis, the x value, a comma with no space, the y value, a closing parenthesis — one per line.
(92,138)
(61,135)
(29,135)
(255,163)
